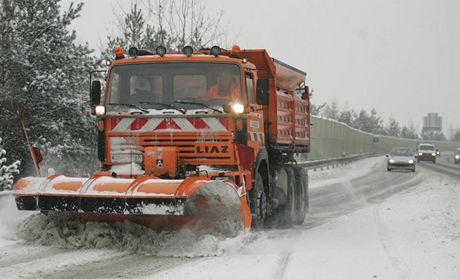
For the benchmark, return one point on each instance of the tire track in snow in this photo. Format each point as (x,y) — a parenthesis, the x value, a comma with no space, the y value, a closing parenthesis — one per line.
(332,201)
(23,253)
(283,263)
(56,262)
(127,266)
(391,250)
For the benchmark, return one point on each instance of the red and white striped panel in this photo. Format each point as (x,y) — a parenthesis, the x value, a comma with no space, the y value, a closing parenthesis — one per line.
(255,136)
(158,124)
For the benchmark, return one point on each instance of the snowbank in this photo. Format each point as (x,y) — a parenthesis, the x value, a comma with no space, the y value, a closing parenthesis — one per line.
(10,220)
(65,231)
(324,176)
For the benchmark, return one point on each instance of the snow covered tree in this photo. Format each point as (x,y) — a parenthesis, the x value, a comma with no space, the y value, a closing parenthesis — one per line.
(7,171)
(455,134)
(393,128)
(347,117)
(332,110)
(369,122)
(172,24)
(317,109)
(44,73)
(409,132)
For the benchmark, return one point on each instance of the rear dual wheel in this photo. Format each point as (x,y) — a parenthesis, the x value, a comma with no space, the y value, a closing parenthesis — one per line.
(301,187)
(258,202)
(293,182)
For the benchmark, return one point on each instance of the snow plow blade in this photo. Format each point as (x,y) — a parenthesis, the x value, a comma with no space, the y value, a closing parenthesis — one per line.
(195,202)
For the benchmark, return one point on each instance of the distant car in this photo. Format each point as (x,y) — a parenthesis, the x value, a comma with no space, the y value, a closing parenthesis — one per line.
(426,152)
(457,156)
(401,158)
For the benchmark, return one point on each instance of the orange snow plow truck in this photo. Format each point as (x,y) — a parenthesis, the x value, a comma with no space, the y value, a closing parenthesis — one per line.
(201,138)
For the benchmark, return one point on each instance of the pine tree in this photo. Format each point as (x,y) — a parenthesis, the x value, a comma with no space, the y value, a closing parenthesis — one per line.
(7,171)
(393,128)
(47,78)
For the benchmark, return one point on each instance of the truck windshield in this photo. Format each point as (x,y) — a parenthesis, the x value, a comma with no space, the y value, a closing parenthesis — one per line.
(426,147)
(181,84)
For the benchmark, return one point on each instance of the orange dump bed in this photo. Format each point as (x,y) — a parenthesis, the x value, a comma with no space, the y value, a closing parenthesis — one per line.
(288,108)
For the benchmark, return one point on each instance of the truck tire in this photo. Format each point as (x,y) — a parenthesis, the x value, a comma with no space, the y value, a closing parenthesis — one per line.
(301,183)
(284,193)
(289,212)
(258,203)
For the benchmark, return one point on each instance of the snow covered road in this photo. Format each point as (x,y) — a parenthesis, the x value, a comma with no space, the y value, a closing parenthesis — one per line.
(364,222)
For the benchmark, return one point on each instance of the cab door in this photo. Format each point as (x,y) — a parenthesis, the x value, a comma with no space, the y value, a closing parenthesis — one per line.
(255,120)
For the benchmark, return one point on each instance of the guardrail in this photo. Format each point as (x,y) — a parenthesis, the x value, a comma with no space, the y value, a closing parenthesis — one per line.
(332,161)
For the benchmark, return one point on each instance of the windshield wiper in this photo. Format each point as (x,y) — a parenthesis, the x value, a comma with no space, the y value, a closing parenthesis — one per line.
(164,105)
(130,106)
(197,104)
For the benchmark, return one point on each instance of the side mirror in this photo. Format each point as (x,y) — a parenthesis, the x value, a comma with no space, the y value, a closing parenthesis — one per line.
(95,95)
(262,91)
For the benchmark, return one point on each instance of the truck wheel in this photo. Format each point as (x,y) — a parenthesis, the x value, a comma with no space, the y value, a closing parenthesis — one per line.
(258,202)
(290,209)
(301,183)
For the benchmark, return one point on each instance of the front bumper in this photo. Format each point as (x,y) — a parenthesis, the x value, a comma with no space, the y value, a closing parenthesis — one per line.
(401,166)
(426,157)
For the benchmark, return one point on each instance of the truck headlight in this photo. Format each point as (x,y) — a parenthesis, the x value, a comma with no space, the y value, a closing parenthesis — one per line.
(411,161)
(433,154)
(238,108)
(391,161)
(420,154)
(100,110)
(457,156)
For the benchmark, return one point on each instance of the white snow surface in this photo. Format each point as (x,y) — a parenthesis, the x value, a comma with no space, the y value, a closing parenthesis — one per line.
(328,175)
(132,168)
(414,234)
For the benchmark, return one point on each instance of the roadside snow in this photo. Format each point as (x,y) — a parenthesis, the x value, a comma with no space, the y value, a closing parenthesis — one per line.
(327,176)
(10,219)
(415,234)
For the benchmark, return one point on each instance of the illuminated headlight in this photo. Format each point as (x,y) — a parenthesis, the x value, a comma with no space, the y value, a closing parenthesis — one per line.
(457,156)
(100,110)
(420,153)
(411,161)
(238,108)
(391,161)
(433,154)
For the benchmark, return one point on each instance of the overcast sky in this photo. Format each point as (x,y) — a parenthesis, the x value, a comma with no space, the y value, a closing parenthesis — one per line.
(401,57)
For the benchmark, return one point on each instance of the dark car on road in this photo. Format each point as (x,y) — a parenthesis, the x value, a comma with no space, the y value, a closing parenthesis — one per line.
(426,152)
(401,158)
